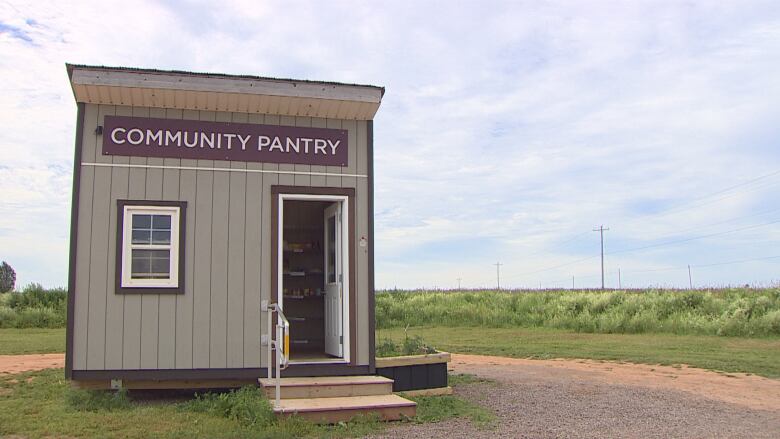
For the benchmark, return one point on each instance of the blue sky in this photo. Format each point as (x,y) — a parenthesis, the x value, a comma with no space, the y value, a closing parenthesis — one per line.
(508,131)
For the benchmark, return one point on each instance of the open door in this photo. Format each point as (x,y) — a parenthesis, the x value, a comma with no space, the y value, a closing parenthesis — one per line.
(333,281)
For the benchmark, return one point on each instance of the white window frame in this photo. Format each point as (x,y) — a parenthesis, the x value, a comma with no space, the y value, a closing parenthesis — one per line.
(128,246)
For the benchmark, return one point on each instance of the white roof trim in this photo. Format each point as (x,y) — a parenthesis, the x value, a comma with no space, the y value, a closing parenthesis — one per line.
(357,101)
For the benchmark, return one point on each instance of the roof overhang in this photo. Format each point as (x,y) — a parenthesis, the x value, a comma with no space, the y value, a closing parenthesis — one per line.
(218,92)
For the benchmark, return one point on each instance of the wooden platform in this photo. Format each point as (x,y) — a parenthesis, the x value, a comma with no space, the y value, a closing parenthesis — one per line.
(329,387)
(336,399)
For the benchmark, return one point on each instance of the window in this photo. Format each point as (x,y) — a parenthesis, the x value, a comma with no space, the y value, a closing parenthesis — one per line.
(151,255)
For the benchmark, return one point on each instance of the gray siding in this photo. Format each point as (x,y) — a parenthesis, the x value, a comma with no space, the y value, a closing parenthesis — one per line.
(217,322)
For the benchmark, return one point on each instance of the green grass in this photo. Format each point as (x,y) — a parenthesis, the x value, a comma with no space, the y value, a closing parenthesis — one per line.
(760,356)
(31,341)
(42,404)
(439,408)
(728,312)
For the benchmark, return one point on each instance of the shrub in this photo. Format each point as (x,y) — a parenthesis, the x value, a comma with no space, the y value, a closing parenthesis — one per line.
(416,346)
(35,296)
(386,348)
(409,346)
(34,307)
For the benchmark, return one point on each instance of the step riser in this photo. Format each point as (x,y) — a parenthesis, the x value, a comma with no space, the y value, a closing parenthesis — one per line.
(334,416)
(320,391)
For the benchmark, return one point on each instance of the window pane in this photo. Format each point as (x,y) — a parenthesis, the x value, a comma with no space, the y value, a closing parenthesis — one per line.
(161,222)
(150,264)
(140,267)
(142,221)
(141,237)
(160,237)
(161,266)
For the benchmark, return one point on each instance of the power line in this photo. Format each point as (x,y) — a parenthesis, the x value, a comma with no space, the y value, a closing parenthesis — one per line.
(554,267)
(693,238)
(716,264)
(560,244)
(661,244)
(736,262)
(690,229)
(688,205)
(704,203)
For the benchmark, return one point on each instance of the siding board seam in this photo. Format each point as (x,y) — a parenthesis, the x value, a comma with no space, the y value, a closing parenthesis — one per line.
(194,246)
(227,271)
(243,295)
(124,298)
(108,246)
(211,260)
(89,258)
(108,266)
(217,169)
(176,302)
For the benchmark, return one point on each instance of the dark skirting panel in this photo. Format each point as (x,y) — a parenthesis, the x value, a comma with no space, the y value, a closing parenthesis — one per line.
(416,377)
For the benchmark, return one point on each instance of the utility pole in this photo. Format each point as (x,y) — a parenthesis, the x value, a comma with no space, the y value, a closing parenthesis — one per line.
(498,274)
(620,280)
(690,279)
(458,284)
(572,282)
(601,231)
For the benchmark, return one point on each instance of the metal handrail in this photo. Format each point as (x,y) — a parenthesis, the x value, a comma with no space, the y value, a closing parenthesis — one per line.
(281,344)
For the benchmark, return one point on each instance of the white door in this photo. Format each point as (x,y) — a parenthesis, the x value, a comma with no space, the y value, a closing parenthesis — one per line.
(333,282)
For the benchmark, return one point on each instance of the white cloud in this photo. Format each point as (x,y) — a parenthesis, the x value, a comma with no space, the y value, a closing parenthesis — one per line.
(506,127)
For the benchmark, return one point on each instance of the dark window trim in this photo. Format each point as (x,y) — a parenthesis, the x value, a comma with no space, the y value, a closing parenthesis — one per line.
(182,205)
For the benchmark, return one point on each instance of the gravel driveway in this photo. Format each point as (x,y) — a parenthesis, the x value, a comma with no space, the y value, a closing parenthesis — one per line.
(556,399)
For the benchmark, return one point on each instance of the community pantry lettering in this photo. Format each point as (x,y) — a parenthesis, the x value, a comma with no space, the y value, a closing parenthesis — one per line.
(191,139)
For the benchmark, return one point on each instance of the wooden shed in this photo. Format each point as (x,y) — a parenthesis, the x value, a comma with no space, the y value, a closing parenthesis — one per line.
(198,199)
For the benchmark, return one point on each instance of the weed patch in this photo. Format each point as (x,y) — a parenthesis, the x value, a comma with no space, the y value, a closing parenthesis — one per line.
(97,400)
(408,346)
(248,406)
(439,408)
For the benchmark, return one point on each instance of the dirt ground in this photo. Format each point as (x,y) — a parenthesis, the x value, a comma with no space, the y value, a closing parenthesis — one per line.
(10,364)
(583,398)
(590,399)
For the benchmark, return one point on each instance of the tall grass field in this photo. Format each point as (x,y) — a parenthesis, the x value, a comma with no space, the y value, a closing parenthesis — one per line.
(34,307)
(727,312)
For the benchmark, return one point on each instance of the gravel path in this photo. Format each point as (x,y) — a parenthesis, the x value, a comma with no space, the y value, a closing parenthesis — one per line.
(552,399)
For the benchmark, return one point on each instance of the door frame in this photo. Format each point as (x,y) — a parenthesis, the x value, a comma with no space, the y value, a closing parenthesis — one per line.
(305,193)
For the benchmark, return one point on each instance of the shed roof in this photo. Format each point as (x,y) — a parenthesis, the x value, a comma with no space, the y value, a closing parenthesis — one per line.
(222,92)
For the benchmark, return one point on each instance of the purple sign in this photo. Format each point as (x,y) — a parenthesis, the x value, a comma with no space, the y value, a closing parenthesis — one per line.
(192,139)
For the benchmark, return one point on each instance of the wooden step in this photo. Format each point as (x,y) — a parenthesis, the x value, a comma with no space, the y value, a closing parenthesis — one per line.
(332,410)
(328,387)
